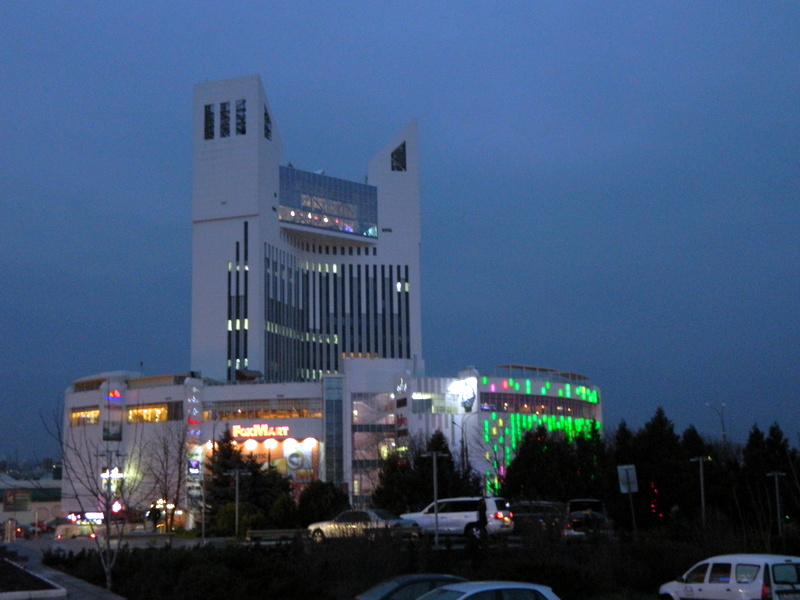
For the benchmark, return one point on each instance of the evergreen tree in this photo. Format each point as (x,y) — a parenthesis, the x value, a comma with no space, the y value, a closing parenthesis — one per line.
(658,466)
(258,487)
(406,483)
(321,501)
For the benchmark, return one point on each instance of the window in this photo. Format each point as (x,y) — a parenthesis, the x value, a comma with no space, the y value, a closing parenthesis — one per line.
(156,413)
(209,122)
(720,573)
(241,118)
(399,158)
(225,119)
(267,124)
(786,573)
(84,415)
(746,573)
(698,574)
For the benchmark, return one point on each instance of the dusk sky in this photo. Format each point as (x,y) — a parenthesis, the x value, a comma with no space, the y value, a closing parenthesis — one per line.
(609,188)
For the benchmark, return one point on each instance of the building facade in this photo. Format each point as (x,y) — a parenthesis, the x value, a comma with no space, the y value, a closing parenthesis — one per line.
(294,271)
(485,417)
(306,339)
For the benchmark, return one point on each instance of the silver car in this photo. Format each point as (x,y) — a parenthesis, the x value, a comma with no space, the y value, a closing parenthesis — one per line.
(363,522)
(491,590)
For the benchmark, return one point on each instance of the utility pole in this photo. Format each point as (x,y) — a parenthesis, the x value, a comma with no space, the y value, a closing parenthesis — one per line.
(700,460)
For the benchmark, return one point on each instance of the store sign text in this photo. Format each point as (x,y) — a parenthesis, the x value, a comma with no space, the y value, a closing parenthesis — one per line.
(259,430)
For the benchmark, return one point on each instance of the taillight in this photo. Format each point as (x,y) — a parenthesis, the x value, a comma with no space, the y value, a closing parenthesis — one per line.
(765,592)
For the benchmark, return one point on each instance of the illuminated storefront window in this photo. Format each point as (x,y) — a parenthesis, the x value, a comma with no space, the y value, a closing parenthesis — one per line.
(282,408)
(156,413)
(84,415)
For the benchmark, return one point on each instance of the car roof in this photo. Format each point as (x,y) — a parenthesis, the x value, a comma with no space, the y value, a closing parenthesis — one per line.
(753,557)
(424,576)
(475,586)
(472,498)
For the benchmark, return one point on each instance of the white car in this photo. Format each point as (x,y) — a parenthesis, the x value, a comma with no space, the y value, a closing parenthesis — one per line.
(461,516)
(364,522)
(491,590)
(738,577)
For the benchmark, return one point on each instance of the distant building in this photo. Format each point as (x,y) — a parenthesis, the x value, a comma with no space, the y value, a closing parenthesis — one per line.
(27,501)
(306,337)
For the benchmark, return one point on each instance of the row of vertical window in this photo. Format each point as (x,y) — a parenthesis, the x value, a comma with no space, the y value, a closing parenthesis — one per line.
(238,298)
(313,319)
(225,119)
(240,106)
(351,250)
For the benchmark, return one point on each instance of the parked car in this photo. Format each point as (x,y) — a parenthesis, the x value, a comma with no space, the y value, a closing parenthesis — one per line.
(22,532)
(738,577)
(535,516)
(361,523)
(75,530)
(586,517)
(462,516)
(408,587)
(41,527)
(491,590)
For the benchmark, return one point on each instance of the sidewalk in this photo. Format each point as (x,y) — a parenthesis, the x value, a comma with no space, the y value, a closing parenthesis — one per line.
(77,589)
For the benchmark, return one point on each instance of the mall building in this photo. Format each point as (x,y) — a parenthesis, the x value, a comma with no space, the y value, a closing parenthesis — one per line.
(306,339)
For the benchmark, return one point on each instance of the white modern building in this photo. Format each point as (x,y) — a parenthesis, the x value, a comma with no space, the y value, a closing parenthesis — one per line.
(306,337)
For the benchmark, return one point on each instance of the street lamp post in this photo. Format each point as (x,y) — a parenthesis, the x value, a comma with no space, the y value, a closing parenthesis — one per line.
(776,475)
(700,460)
(465,466)
(435,456)
(236,472)
(721,414)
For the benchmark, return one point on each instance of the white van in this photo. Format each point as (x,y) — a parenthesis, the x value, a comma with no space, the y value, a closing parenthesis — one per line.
(738,577)
(461,516)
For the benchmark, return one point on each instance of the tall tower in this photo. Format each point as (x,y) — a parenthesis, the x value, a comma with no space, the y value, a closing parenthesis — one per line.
(294,271)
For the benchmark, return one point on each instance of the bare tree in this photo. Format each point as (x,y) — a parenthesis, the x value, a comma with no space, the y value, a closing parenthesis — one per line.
(105,476)
(165,466)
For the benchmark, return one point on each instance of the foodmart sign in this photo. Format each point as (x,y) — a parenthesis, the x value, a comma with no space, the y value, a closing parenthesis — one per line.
(259,430)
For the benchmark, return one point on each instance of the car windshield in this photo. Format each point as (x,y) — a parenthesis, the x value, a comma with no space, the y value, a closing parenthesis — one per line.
(786,573)
(385,515)
(378,591)
(443,594)
(583,505)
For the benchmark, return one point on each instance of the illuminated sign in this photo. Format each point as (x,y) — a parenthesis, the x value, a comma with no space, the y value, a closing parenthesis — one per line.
(114,395)
(259,430)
